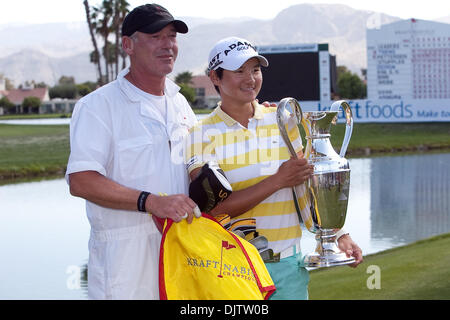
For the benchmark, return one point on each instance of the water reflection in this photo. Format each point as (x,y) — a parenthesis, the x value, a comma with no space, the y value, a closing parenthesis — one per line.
(43,241)
(410,197)
(44,231)
(396,200)
(54,121)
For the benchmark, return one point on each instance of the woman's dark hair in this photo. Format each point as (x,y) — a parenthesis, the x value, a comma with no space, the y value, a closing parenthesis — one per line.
(219,72)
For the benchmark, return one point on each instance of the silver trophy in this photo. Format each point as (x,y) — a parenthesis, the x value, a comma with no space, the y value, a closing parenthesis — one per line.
(321,202)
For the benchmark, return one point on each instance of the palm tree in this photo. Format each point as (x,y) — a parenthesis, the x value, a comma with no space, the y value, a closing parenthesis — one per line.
(95,55)
(120,11)
(104,20)
(103,26)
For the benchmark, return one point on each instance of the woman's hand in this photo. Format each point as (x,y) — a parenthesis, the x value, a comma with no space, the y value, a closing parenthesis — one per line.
(351,249)
(293,172)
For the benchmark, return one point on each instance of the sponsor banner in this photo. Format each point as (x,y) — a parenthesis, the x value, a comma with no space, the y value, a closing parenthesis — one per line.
(284,48)
(432,110)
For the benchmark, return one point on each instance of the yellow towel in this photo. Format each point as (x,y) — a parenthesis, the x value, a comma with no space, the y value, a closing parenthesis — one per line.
(204,261)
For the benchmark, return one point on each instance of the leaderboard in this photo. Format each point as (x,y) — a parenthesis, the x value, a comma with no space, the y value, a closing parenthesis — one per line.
(306,72)
(409,59)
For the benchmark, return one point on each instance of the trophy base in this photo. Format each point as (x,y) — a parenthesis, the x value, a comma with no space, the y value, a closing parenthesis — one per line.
(315,260)
(327,254)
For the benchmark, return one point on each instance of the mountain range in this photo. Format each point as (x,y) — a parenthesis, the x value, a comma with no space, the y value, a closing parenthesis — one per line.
(45,52)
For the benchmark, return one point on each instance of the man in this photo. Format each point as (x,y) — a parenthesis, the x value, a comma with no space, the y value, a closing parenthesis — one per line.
(126,152)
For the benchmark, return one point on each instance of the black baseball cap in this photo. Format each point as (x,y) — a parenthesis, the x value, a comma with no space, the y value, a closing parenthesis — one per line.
(150,18)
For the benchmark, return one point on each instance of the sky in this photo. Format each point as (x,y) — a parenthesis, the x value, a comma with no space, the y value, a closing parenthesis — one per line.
(43,11)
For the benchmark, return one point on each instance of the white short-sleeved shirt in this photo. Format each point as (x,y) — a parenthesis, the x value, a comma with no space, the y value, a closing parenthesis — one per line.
(121,135)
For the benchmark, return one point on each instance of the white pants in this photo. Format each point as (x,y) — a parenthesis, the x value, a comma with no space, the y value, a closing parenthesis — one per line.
(123,263)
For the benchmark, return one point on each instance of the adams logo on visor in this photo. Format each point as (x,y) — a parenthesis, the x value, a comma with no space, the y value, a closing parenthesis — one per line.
(218,59)
(239,45)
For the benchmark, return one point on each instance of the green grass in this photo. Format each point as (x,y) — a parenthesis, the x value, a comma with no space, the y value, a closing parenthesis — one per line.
(202,111)
(416,271)
(393,137)
(35,116)
(33,150)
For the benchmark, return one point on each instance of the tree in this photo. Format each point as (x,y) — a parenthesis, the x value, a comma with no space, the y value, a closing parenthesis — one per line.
(112,58)
(32,103)
(63,91)
(350,85)
(41,84)
(120,11)
(104,20)
(95,57)
(188,92)
(341,69)
(83,89)
(86,88)
(103,15)
(66,80)
(184,79)
(6,104)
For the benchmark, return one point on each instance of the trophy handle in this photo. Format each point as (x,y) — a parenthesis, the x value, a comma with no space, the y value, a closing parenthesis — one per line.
(298,114)
(281,115)
(348,125)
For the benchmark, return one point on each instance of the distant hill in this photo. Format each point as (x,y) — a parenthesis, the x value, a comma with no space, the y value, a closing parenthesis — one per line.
(53,39)
(342,27)
(31,64)
(45,52)
(444,19)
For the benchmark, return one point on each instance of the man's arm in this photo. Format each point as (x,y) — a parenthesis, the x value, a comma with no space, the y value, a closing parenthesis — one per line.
(100,190)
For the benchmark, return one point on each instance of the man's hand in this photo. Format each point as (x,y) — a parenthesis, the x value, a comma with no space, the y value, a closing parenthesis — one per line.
(104,192)
(176,207)
(351,249)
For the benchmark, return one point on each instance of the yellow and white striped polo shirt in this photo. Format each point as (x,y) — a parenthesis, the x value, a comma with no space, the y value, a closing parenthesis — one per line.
(247,156)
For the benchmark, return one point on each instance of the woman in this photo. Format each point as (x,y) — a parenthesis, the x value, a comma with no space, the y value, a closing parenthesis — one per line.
(242,136)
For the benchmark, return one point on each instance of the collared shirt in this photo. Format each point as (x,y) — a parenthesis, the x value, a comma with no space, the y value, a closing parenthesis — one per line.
(120,135)
(117,133)
(248,156)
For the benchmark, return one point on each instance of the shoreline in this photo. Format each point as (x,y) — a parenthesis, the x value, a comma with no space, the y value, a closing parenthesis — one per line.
(35,174)
(24,175)
(420,149)
(38,151)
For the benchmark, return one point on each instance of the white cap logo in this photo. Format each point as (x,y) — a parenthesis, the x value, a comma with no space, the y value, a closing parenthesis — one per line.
(232,53)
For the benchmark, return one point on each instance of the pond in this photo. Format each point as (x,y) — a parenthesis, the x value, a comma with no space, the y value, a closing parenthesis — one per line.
(55,121)
(37,121)
(44,231)
(43,234)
